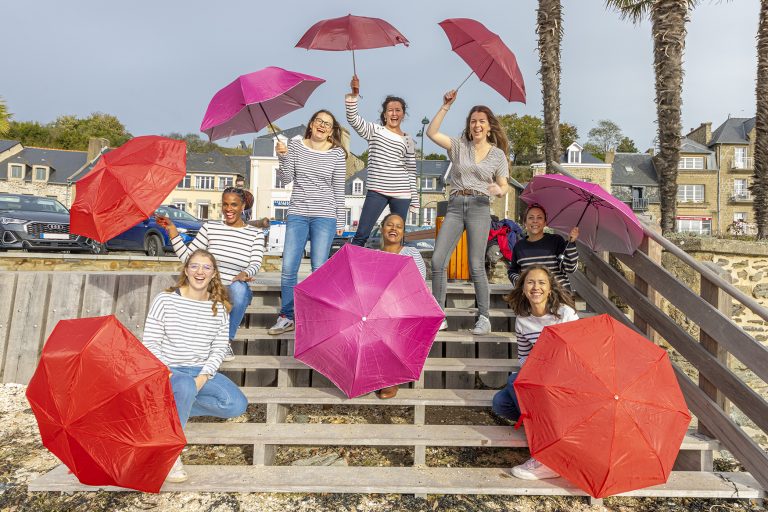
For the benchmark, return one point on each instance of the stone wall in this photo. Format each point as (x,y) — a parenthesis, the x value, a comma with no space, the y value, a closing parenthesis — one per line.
(40,189)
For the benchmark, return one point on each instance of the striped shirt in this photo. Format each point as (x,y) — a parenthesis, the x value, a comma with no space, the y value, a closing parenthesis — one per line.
(414,253)
(317,177)
(391,157)
(466,174)
(235,249)
(551,252)
(184,332)
(528,328)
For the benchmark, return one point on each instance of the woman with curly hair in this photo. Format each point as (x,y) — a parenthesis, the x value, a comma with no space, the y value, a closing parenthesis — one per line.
(187,329)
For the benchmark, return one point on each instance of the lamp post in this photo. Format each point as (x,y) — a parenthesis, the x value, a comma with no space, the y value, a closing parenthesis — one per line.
(424,123)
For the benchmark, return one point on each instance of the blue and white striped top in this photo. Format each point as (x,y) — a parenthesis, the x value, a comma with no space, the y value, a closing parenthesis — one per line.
(528,328)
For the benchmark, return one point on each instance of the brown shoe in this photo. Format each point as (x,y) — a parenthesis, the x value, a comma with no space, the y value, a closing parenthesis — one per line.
(390,392)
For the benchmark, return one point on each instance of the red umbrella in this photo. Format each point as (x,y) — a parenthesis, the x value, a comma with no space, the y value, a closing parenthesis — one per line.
(351,33)
(366,320)
(126,186)
(104,405)
(487,55)
(601,406)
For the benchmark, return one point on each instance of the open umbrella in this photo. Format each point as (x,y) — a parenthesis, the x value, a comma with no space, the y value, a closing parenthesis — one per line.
(253,101)
(605,223)
(601,406)
(366,320)
(127,185)
(487,55)
(351,33)
(104,405)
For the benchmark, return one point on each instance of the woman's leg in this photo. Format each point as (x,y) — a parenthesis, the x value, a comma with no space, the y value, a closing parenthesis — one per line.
(321,233)
(505,402)
(372,207)
(219,397)
(240,297)
(449,235)
(477,220)
(296,234)
(400,206)
(184,390)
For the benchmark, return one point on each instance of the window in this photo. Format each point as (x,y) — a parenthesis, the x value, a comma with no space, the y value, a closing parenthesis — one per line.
(740,217)
(348,222)
(691,162)
(17,171)
(281,212)
(278,183)
(740,190)
(204,183)
(181,205)
(357,187)
(429,215)
(574,156)
(701,226)
(413,218)
(186,182)
(40,173)
(690,193)
(739,158)
(225,181)
(202,209)
(429,183)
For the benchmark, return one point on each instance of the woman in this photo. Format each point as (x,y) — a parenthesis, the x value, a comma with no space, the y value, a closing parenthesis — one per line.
(187,329)
(237,247)
(317,167)
(391,163)
(545,249)
(392,238)
(538,300)
(479,171)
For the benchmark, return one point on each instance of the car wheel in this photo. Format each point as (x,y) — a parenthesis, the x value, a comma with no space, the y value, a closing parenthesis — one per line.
(97,247)
(153,246)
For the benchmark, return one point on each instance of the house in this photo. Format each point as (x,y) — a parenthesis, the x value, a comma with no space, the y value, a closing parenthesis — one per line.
(583,165)
(635,182)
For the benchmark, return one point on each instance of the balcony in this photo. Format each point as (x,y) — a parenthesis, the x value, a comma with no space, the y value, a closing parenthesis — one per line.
(741,197)
(743,163)
(639,204)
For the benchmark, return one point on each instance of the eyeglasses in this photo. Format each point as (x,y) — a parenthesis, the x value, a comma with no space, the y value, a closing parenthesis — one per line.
(194,267)
(324,124)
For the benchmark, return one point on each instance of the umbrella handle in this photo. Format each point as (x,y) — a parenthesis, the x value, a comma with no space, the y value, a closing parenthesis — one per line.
(355,90)
(465,80)
(268,121)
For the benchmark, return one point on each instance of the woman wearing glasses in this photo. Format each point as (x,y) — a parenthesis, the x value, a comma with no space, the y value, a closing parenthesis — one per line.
(237,247)
(316,165)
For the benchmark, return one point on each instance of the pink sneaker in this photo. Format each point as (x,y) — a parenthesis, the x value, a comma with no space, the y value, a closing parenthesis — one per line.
(533,470)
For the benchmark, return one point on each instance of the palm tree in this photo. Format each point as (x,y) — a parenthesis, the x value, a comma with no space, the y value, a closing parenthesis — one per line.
(760,181)
(668,19)
(549,27)
(5,118)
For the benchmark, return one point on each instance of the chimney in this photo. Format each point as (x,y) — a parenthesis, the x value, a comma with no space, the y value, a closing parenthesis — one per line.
(707,133)
(610,156)
(95,145)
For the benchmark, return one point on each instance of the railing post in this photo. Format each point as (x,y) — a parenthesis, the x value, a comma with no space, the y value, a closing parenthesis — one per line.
(653,251)
(592,278)
(722,301)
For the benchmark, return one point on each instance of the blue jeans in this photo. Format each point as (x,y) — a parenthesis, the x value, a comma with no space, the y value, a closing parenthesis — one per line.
(240,296)
(218,397)
(319,231)
(372,207)
(505,402)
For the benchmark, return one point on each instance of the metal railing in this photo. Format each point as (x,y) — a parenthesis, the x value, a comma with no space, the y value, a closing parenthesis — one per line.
(639,204)
(746,162)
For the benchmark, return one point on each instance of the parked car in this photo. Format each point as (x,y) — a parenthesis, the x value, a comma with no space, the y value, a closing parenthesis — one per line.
(149,237)
(37,223)
(415,236)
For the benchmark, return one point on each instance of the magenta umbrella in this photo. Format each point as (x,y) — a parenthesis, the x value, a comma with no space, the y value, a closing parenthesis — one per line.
(605,223)
(366,320)
(487,55)
(253,101)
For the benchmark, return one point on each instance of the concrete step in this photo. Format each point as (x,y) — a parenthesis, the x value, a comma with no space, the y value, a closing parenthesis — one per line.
(409,480)
(260,333)
(444,364)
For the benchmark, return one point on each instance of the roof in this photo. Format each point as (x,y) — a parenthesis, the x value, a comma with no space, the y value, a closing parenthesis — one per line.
(7,144)
(634,169)
(432,167)
(359,175)
(734,130)
(288,133)
(264,145)
(217,162)
(62,162)
(690,146)
(586,157)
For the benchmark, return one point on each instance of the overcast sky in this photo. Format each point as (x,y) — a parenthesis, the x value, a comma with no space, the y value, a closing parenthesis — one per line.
(156,64)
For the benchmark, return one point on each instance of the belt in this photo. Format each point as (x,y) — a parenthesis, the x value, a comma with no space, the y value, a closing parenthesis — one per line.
(467,192)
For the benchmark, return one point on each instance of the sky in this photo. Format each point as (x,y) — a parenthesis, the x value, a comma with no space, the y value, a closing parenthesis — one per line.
(156,64)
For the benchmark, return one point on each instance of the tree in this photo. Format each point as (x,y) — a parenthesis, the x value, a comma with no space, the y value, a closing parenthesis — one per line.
(626,145)
(668,19)
(594,150)
(760,178)
(364,157)
(549,27)
(435,156)
(5,118)
(70,132)
(606,135)
(31,133)
(568,135)
(525,134)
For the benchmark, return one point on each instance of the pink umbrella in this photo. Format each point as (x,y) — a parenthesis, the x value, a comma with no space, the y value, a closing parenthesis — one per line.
(487,55)
(366,320)
(253,101)
(605,223)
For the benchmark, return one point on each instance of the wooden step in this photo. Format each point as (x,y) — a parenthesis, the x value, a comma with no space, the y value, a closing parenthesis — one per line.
(440,364)
(405,397)
(408,480)
(272,285)
(449,312)
(260,333)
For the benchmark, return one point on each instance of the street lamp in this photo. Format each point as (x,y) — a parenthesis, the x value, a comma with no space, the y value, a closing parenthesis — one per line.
(424,123)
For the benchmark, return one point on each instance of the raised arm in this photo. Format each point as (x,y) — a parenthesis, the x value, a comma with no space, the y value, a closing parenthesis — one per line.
(433,130)
(287,159)
(184,251)
(363,128)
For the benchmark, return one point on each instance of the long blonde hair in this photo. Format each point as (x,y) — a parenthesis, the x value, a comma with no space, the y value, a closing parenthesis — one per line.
(215,288)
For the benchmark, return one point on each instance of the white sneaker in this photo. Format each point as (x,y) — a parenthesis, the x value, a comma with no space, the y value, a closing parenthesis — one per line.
(533,470)
(229,355)
(283,324)
(482,327)
(177,473)
(443,325)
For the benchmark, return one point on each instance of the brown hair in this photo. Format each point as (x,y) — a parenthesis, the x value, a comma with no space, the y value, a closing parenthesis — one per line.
(498,137)
(215,288)
(335,138)
(536,206)
(558,296)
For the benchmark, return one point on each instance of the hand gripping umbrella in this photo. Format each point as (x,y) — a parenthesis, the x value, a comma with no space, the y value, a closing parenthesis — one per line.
(104,405)
(366,320)
(601,406)
(351,33)
(253,101)
(487,55)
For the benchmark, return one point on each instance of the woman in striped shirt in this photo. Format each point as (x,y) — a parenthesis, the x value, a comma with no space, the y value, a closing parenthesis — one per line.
(237,247)
(316,165)
(391,163)
(186,329)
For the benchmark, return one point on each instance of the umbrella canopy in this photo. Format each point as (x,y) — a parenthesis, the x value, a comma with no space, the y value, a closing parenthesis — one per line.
(601,406)
(487,56)
(366,320)
(253,101)
(605,223)
(126,186)
(350,33)
(104,405)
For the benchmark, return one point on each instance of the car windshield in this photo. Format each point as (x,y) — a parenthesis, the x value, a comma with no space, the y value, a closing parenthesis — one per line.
(175,214)
(31,203)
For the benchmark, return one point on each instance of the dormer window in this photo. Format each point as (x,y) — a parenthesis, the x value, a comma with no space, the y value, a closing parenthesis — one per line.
(574,154)
(357,187)
(16,171)
(40,173)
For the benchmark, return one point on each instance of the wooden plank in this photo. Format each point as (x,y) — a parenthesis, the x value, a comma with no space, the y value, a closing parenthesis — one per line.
(258,333)
(435,379)
(434,365)
(133,302)
(457,314)
(405,397)
(271,286)
(407,480)
(65,298)
(7,290)
(99,295)
(653,251)
(494,351)
(467,313)
(25,337)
